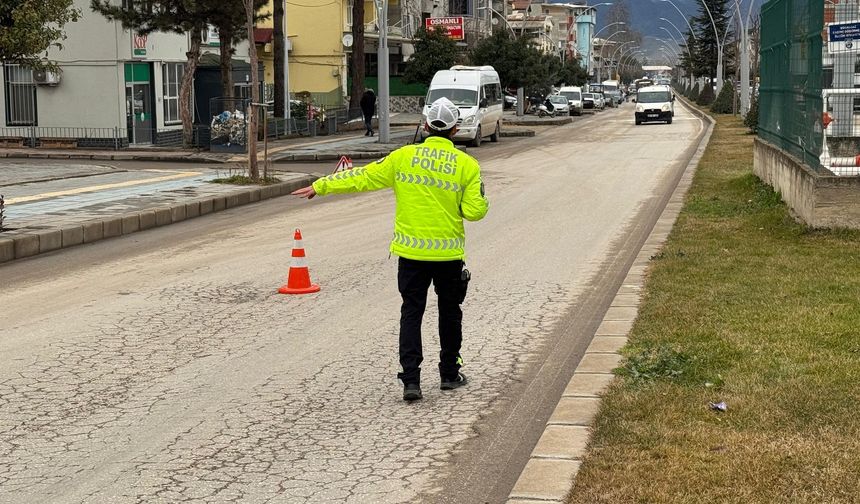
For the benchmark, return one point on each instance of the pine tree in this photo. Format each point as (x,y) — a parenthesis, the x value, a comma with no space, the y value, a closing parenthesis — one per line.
(724,104)
(694,93)
(707,45)
(706,97)
(751,119)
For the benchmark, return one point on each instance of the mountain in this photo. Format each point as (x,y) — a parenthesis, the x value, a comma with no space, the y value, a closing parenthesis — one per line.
(645,15)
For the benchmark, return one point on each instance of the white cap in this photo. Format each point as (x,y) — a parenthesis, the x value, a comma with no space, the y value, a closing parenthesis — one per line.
(443,115)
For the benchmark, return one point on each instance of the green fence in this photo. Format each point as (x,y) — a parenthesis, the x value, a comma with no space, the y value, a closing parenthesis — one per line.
(790,102)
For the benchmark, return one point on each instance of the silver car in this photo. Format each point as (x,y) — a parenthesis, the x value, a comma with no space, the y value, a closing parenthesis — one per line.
(560,103)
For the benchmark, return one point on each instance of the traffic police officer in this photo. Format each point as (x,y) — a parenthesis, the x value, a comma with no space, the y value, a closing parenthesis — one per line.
(436,186)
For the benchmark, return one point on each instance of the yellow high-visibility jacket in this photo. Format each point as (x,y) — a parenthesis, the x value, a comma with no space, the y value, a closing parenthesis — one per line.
(436,186)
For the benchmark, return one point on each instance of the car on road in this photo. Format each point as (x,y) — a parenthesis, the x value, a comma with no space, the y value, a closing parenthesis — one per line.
(654,103)
(574,98)
(588,102)
(599,101)
(477,92)
(560,103)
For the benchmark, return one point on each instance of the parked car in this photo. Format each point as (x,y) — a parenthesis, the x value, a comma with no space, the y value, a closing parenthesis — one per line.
(561,104)
(574,98)
(599,102)
(588,102)
(654,103)
(510,100)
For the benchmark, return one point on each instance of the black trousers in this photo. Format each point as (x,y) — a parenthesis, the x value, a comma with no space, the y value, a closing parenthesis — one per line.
(413,280)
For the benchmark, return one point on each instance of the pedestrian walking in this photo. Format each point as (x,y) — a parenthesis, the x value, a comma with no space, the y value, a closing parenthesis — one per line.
(436,187)
(368,107)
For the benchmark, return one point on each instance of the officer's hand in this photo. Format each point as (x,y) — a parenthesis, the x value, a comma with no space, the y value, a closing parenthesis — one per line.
(305,192)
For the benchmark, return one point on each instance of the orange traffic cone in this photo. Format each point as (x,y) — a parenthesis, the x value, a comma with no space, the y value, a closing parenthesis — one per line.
(299,280)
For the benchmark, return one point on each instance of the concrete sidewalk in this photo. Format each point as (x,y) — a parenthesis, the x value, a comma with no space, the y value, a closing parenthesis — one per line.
(320,148)
(52,207)
(302,149)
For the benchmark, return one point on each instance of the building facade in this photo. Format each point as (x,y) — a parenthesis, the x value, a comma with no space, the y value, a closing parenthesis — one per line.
(114,88)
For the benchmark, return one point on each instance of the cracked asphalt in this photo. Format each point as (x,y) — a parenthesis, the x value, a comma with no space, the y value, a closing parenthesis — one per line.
(164,367)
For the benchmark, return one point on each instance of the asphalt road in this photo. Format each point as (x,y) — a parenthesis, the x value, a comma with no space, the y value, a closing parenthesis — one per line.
(163,366)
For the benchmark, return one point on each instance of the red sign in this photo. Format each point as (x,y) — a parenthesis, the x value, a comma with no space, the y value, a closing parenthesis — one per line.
(138,45)
(453,26)
(345,163)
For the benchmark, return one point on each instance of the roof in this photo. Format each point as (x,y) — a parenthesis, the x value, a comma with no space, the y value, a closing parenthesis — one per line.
(263,35)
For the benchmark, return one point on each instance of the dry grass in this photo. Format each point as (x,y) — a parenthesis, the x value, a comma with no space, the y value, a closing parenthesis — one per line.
(745,306)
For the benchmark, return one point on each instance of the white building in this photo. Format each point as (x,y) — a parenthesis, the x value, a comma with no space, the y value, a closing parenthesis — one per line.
(115,88)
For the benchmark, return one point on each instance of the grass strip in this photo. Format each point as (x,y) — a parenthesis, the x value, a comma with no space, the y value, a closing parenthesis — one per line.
(743,305)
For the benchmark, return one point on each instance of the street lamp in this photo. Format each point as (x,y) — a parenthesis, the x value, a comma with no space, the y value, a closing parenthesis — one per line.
(607,26)
(615,52)
(621,57)
(383,70)
(627,59)
(607,39)
(494,11)
(719,41)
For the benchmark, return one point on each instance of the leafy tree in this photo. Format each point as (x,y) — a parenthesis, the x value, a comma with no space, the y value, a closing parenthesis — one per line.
(543,72)
(724,104)
(28,28)
(434,51)
(509,55)
(571,73)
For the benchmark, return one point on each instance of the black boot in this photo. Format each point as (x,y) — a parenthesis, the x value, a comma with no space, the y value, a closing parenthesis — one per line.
(455,383)
(412,392)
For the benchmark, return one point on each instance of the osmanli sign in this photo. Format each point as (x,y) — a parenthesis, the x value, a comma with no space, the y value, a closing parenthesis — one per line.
(453,26)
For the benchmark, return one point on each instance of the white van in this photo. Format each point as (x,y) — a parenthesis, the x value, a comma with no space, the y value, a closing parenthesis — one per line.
(477,91)
(574,98)
(654,103)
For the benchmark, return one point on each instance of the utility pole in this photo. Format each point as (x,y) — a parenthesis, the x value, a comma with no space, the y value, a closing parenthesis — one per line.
(382,70)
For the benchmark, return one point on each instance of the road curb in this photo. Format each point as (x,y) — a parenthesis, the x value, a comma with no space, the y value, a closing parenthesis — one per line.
(21,244)
(556,459)
(517,133)
(547,121)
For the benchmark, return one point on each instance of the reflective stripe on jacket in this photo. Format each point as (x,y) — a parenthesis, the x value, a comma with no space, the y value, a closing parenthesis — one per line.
(436,186)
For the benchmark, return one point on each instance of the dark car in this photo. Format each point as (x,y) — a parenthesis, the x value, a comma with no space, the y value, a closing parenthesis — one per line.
(587,101)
